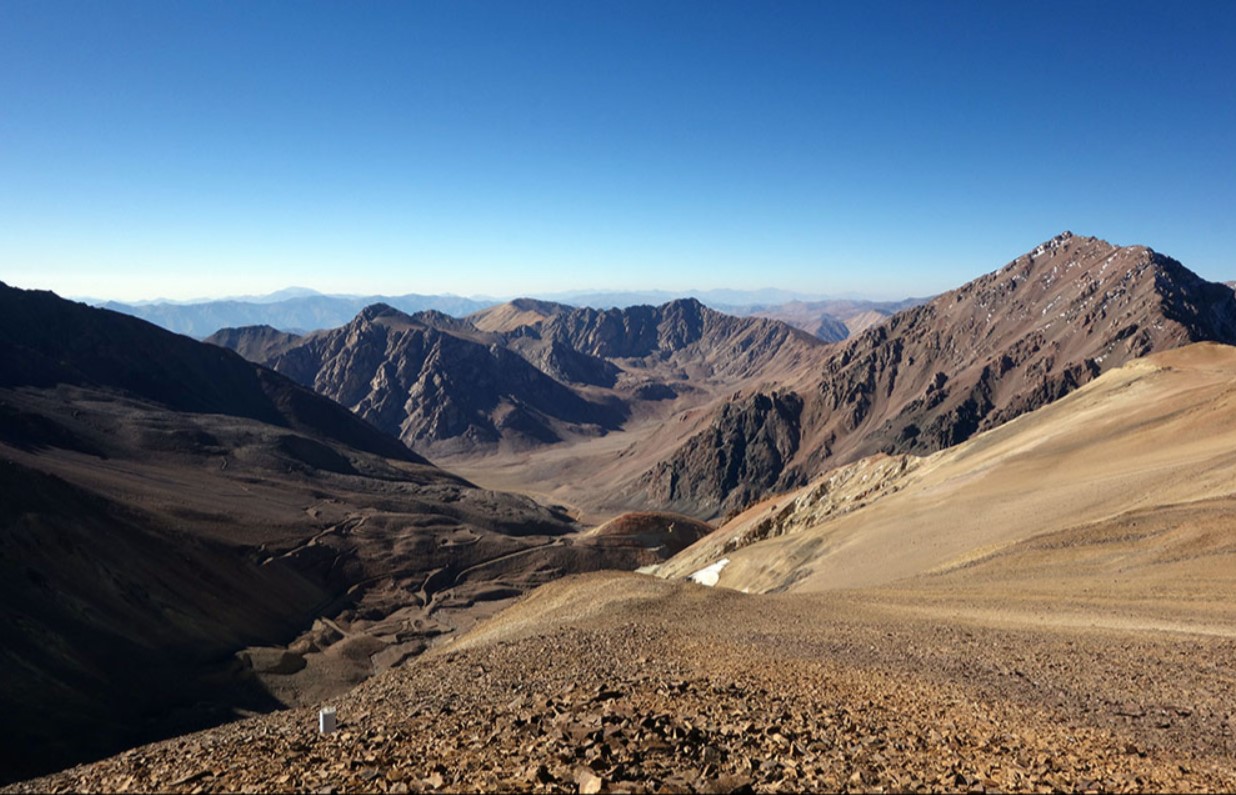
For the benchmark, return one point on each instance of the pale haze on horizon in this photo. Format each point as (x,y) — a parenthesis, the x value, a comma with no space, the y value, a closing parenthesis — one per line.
(191,150)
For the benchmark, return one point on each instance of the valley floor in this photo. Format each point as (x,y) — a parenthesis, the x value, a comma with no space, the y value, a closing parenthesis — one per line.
(621,682)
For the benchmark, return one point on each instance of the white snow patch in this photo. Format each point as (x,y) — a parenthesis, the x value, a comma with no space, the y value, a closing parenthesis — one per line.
(709,575)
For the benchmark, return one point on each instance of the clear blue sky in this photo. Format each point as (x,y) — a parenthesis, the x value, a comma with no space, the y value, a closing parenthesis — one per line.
(183,149)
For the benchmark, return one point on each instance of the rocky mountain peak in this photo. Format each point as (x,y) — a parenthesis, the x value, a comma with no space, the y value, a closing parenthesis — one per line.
(378,310)
(970,359)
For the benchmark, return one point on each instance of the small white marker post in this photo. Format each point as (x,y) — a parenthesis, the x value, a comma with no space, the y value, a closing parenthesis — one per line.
(326,720)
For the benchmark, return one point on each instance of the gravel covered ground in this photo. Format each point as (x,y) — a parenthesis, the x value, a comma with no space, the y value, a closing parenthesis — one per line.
(622,683)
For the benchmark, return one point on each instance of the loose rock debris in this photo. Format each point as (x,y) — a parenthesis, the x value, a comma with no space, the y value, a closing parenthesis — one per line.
(629,704)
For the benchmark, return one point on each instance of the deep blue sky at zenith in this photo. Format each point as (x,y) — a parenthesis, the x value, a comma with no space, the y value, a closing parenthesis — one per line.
(184,149)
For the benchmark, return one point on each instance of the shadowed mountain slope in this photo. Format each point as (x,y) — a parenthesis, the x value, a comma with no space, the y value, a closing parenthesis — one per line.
(185,534)
(253,342)
(47,341)
(936,374)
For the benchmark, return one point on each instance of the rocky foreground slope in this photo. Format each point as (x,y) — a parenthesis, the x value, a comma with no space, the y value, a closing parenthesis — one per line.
(934,375)
(622,683)
(1046,607)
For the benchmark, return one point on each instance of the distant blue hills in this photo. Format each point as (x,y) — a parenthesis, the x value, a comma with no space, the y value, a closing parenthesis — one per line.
(300,309)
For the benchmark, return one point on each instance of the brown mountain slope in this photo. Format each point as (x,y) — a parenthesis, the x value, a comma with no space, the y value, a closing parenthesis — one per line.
(449,388)
(184,534)
(934,375)
(514,314)
(1120,492)
(255,343)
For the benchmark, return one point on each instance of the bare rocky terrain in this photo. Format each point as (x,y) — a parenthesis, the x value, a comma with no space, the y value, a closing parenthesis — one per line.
(984,545)
(528,374)
(622,683)
(186,535)
(934,375)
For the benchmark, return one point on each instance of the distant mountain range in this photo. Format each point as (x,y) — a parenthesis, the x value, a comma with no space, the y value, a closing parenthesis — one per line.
(523,374)
(720,410)
(300,310)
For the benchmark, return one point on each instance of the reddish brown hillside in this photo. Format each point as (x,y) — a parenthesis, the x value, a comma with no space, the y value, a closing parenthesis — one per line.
(934,375)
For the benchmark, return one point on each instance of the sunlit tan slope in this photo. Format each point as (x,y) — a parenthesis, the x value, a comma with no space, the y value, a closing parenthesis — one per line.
(1124,491)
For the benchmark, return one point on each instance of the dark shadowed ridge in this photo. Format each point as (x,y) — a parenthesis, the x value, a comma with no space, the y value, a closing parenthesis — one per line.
(46,340)
(253,342)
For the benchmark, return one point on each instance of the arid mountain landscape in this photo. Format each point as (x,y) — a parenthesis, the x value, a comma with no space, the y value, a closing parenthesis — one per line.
(617,397)
(983,544)
(180,524)
(685,409)
(831,321)
(527,374)
(934,375)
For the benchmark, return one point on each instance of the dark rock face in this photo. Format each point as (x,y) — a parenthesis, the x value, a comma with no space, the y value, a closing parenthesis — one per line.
(969,360)
(742,455)
(439,382)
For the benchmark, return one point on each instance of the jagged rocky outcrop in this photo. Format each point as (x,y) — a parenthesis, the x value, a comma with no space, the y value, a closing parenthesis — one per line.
(437,383)
(968,360)
(743,455)
(528,373)
(684,331)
